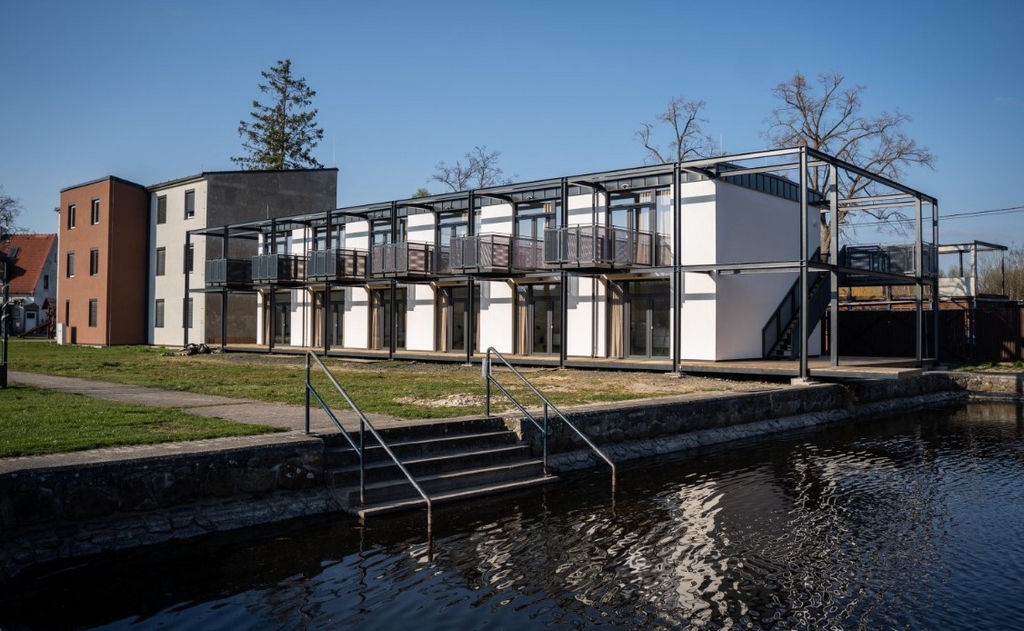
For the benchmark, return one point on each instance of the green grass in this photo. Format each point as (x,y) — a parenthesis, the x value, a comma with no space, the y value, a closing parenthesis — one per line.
(378,387)
(34,422)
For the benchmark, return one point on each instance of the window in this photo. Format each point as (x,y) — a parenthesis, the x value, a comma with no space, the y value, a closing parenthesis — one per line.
(94,261)
(71,216)
(94,308)
(161,261)
(67,311)
(70,269)
(190,257)
(158,314)
(188,313)
(94,218)
(161,209)
(46,281)
(190,204)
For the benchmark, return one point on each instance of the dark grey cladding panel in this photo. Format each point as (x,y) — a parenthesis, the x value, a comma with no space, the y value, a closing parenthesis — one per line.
(240,196)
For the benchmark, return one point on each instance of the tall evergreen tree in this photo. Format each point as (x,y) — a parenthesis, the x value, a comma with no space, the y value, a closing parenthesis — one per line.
(281,135)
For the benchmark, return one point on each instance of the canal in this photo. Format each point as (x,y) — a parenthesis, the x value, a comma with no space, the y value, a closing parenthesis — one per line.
(910,522)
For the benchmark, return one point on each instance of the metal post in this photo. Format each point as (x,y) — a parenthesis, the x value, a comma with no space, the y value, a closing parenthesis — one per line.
(919,283)
(486,368)
(307,393)
(188,274)
(544,440)
(5,297)
(935,283)
(804,372)
(833,259)
(677,261)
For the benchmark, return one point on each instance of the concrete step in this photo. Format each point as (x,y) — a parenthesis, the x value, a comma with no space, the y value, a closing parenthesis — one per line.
(442,484)
(454,496)
(384,470)
(426,430)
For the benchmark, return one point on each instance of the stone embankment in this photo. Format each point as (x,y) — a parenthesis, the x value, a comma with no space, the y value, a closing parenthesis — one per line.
(78,505)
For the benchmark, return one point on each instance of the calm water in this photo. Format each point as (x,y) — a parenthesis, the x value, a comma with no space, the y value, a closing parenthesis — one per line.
(915,522)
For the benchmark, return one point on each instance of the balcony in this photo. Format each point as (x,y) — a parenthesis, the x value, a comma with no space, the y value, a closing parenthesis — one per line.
(229,273)
(278,269)
(331,265)
(403,260)
(597,246)
(889,259)
(495,254)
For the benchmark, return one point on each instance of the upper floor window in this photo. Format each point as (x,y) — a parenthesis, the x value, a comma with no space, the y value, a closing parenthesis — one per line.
(161,261)
(71,216)
(161,209)
(46,281)
(94,216)
(70,267)
(190,258)
(94,261)
(279,243)
(190,204)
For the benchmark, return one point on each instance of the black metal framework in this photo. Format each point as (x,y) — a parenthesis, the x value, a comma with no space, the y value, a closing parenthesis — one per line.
(631,229)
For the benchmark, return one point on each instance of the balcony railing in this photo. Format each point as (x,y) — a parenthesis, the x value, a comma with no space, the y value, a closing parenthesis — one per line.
(889,259)
(597,246)
(495,253)
(278,268)
(341,264)
(404,259)
(228,272)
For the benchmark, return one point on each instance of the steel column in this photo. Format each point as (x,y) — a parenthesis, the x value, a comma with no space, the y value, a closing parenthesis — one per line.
(804,372)
(833,259)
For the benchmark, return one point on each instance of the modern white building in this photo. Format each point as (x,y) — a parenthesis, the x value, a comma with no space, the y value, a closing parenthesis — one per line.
(708,260)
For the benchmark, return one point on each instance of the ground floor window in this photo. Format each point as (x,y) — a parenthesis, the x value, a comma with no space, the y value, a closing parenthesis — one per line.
(640,319)
(539,319)
(454,313)
(334,323)
(388,307)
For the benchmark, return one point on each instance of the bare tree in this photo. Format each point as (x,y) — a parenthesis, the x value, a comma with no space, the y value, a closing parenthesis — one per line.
(688,140)
(479,171)
(827,117)
(1003,276)
(10,208)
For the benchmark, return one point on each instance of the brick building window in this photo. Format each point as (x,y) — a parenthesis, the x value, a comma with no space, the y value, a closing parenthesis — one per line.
(70,267)
(94,217)
(71,216)
(94,261)
(94,311)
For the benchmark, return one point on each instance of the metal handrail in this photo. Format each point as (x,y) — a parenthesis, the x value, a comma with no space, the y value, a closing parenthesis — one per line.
(547,405)
(364,425)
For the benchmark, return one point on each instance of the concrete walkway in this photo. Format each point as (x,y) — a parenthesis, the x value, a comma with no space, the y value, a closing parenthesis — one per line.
(283,415)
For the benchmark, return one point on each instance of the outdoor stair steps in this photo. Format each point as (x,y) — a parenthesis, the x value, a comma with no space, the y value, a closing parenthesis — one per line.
(450,462)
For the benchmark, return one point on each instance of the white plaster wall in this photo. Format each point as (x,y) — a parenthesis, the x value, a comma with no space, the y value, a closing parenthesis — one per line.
(698,223)
(356,320)
(496,219)
(420,228)
(496,309)
(699,325)
(579,327)
(581,211)
(419,322)
(171,286)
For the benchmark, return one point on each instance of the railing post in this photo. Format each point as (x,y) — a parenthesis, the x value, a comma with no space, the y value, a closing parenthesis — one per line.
(307,392)
(545,439)
(362,461)
(486,368)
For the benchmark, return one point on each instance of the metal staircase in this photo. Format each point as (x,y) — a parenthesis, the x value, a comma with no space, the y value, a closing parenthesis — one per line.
(779,339)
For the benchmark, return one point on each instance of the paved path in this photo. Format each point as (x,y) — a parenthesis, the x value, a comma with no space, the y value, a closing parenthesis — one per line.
(283,415)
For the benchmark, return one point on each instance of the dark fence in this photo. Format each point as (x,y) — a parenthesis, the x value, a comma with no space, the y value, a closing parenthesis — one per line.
(965,335)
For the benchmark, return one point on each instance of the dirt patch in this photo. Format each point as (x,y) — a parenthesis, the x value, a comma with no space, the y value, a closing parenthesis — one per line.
(450,401)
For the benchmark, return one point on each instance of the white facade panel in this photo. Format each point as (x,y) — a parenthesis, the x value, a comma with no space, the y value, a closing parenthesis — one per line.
(170,286)
(420,318)
(699,325)
(496,316)
(357,318)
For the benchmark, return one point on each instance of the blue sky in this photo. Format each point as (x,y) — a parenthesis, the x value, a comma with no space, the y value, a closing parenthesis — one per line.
(152,91)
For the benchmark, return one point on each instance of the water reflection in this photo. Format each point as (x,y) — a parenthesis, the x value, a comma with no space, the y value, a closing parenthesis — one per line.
(913,522)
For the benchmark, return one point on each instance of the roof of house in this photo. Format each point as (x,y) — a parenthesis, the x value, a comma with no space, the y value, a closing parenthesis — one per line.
(29,253)
(112,178)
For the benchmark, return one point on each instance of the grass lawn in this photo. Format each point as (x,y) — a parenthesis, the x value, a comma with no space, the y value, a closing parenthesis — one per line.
(401,389)
(34,422)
